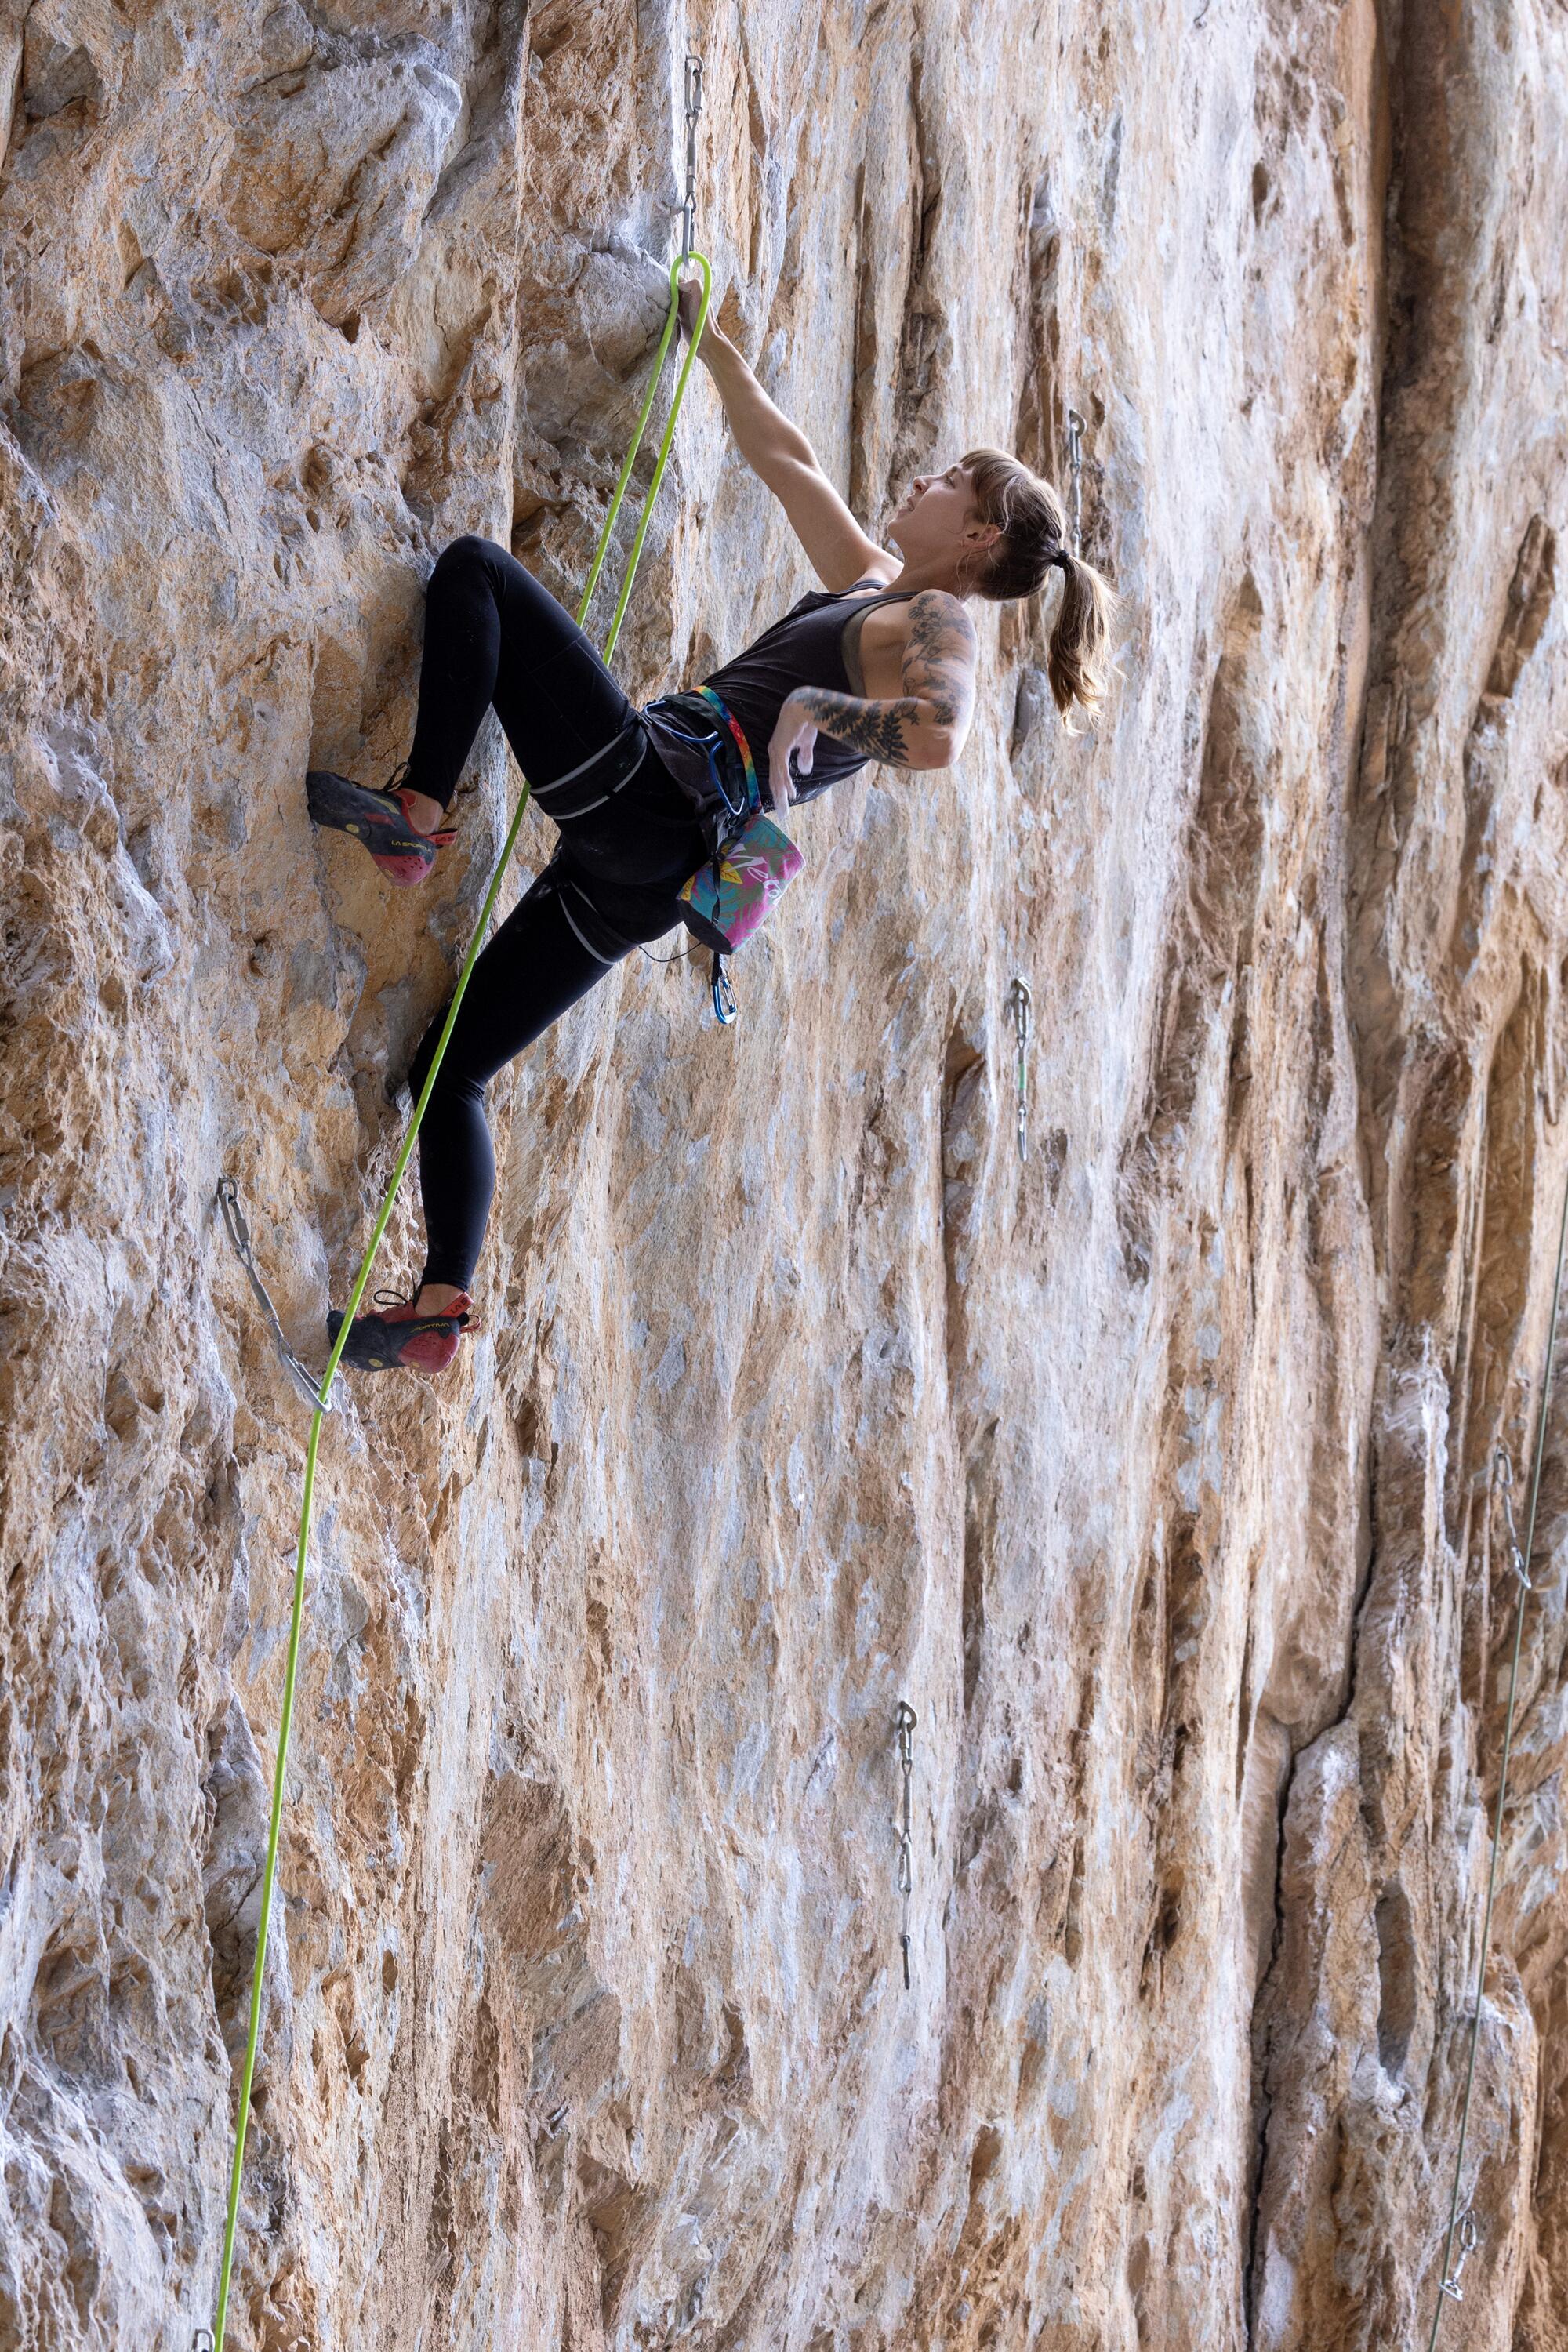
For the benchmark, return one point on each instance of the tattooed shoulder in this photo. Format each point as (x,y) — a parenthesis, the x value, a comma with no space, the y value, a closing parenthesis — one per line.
(941,615)
(940,656)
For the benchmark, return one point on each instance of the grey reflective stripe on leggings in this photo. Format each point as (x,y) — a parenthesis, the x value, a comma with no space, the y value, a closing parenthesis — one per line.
(552,884)
(543,793)
(588,943)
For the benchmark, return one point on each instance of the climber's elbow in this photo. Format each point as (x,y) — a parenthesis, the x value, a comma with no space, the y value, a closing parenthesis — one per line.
(934,747)
(944,724)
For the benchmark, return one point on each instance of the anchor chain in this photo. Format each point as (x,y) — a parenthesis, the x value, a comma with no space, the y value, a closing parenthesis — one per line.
(1021,1005)
(1075,479)
(239,1234)
(904,1723)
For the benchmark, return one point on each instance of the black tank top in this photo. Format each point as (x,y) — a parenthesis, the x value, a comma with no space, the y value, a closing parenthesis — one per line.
(814,644)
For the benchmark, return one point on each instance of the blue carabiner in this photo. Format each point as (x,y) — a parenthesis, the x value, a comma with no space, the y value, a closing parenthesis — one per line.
(712,748)
(724,994)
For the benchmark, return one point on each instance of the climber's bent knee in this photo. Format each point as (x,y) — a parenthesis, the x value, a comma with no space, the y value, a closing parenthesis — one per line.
(468,553)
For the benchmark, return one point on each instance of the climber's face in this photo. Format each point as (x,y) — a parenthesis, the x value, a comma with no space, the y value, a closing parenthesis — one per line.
(936,512)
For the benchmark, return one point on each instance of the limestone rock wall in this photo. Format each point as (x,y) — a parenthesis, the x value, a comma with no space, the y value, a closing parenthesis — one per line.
(1153,1471)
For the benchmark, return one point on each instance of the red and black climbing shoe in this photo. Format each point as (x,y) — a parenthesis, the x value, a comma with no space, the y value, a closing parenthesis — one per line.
(424,1343)
(380,820)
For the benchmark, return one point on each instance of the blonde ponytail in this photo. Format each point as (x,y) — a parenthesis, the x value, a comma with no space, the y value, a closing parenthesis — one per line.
(1076,662)
(1033,527)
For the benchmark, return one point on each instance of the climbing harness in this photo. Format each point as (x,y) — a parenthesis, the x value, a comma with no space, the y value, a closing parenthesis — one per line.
(904,1725)
(1075,471)
(753,861)
(1519,1557)
(239,1234)
(739,883)
(320,1400)
(631,739)
(1021,1004)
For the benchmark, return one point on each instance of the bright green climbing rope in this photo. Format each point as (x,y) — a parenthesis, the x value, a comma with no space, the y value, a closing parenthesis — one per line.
(385,1212)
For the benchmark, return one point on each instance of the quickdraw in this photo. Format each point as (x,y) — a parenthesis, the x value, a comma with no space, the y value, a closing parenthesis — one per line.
(1075,470)
(1470,2239)
(239,1234)
(904,1725)
(693,95)
(1021,1004)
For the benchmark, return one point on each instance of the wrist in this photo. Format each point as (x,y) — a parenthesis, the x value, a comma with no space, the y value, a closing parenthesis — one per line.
(717,350)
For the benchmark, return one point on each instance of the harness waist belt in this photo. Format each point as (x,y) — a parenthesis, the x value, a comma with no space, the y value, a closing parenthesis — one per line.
(725,745)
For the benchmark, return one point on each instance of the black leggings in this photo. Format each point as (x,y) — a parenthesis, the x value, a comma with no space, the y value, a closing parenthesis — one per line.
(494,638)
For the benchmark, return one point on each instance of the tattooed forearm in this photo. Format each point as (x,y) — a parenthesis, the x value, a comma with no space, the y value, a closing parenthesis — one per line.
(905,733)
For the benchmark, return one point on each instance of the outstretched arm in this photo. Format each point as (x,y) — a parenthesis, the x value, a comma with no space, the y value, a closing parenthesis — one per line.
(780,455)
(922,728)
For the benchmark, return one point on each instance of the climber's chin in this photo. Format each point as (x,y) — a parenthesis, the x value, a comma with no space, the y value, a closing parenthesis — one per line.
(906,532)
(914,544)
(911,524)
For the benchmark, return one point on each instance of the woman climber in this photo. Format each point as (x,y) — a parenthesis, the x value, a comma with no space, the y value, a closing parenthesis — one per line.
(879,663)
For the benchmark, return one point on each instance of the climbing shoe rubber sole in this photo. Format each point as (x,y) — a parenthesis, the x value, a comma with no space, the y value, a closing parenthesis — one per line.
(399,1337)
(378,821)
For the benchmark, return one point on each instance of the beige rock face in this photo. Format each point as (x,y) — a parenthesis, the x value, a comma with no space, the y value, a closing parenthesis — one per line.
(1153,1470)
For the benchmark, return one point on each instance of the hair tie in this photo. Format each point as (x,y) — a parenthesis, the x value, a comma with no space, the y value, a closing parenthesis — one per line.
(1063,558)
